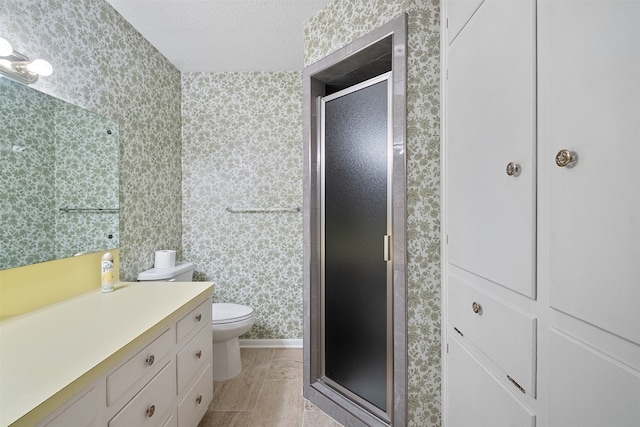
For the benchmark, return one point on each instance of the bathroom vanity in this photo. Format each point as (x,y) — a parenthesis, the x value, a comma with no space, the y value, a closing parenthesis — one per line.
(140,355)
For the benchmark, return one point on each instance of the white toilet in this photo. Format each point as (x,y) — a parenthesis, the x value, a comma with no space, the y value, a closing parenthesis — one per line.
(228,323)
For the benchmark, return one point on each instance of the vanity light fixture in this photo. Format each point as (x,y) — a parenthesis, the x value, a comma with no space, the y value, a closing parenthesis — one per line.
(5,47)
(18,66)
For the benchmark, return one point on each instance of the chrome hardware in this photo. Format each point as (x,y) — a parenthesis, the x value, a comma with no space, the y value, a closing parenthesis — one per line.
(477,308)
(513,169)
(89,210)
(150,360)
(151,410)
(198,354)
(199,400)
(198,317)
(565,158)
(516,384)
(295,209)
(387,248)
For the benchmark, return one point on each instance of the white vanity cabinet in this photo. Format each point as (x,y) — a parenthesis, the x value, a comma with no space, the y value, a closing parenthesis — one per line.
(121,361)
(140,368)
(80,412)
(152,404)
(541,105)
(179,365)
(194,365)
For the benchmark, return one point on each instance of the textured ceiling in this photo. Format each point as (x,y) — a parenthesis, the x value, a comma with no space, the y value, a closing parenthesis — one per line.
(224,35)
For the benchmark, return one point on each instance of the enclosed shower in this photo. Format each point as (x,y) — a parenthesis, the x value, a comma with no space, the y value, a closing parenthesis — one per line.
(354,225)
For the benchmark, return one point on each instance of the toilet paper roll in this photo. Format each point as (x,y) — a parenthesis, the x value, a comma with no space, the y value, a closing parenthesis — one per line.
(165,259)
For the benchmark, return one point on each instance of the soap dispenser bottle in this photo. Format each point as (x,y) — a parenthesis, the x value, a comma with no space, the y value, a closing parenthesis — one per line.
(107,272)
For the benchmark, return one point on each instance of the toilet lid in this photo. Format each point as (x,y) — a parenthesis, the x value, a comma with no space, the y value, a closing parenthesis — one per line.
(228,313)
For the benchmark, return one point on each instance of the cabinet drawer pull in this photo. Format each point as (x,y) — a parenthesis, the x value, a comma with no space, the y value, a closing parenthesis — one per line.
(513,169)
(565,158)
(150,360)
(477,308)
(198,354)
(198,317)
(199,400)
(515,384)
(151,410)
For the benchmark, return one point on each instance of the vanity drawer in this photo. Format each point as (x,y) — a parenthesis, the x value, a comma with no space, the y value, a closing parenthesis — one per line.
(172,421)
(194,405)
(193,357)
(81,413)
(198,317)
(149,407)
(144,363)
(503,333)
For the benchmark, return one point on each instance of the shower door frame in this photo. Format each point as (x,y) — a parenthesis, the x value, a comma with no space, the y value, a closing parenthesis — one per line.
(316,79)
(384,415)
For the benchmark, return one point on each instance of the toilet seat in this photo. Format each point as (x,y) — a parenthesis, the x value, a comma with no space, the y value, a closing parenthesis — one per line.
(223,313)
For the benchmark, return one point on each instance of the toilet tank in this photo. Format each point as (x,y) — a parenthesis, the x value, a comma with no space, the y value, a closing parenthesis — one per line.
(182,272)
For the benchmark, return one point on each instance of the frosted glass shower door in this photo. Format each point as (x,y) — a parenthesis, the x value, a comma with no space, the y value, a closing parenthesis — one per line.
(356,227)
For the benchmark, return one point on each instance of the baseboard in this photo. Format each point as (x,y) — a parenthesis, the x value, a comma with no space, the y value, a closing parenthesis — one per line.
(271,343)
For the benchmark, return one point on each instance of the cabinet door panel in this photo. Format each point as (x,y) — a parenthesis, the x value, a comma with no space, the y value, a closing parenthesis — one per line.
(505,334)
(490,123)
(590,105)
(144,364)
(198,318)
(153,402)
(196,401)
(589,389)
(193,357)
(458,14)
(82,413)
(476,398)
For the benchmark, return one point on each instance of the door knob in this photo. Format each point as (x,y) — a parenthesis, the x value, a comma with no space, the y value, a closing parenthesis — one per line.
(477,308)
(513,169)
(565,158)
(151,410)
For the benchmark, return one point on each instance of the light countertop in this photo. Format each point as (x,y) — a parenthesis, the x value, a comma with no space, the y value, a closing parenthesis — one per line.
(48,355)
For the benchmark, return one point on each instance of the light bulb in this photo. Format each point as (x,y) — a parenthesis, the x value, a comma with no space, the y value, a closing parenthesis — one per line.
(40,67)
(5,63)
(5,47)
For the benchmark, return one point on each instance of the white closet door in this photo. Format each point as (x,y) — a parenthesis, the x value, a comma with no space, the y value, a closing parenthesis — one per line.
(458,14)
(588,388)
(589,80)
(491,109)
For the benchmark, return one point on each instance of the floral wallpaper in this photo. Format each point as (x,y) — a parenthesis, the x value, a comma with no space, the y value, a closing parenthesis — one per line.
(104,65)
(27,178)
(340,23)
(242,148)
(55,156)
(86,177)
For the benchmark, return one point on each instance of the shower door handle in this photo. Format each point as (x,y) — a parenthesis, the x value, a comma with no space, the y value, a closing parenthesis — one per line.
(387,247)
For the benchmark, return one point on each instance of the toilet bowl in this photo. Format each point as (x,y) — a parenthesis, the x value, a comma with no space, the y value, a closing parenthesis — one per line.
(228,322)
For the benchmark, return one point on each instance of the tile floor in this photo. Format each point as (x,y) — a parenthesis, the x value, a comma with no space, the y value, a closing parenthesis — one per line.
(267,393)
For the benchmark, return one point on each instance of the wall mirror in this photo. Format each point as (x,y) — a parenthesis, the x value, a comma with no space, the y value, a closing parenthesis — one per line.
(58,180)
